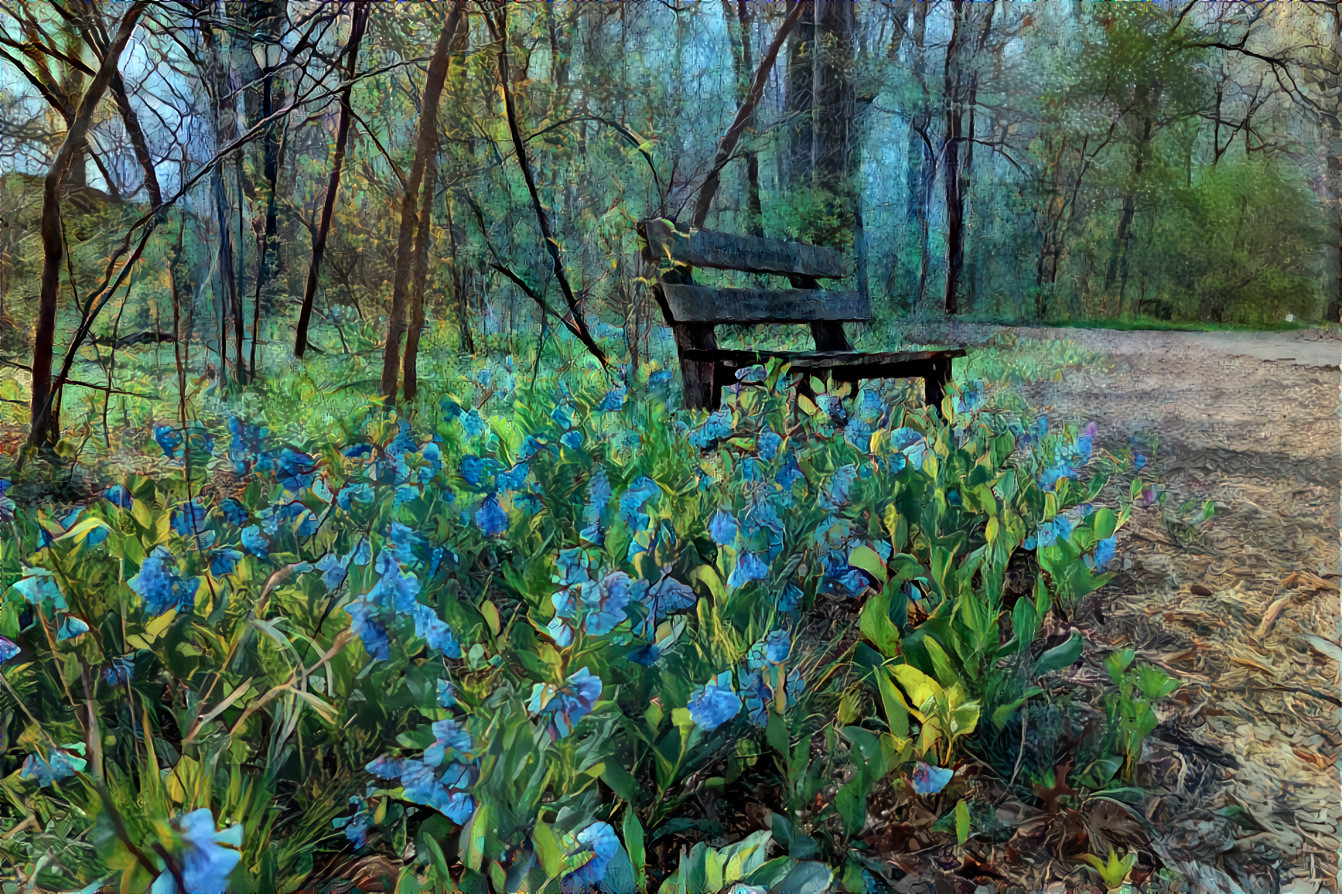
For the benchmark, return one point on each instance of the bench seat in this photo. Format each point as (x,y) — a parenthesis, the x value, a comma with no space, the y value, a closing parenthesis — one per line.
(693,310)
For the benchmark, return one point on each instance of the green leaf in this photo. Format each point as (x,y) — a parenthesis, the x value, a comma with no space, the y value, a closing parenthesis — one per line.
(868,560)
(548,850)
(633,843)
(962,821)
(851,803)
(1060,656)
(920,687)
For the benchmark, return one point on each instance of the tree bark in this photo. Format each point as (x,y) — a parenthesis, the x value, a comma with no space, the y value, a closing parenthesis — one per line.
(950,154)
(45,402)
(424,145)
(727,144)
(410,373)
(573,320)
(357,28)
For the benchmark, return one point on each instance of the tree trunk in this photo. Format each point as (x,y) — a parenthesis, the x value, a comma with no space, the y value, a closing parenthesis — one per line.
(409,373)
(1118,258)
(45,402)
(425,143)
(333,185)
(799,103)
(950,154)
(1333,149)
(727,145)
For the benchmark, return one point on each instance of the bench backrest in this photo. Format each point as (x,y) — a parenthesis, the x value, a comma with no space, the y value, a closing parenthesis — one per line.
(686,303)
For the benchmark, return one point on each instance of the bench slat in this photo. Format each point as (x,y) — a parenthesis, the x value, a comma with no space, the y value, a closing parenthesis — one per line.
(824,359)
(749,254)
(699,304)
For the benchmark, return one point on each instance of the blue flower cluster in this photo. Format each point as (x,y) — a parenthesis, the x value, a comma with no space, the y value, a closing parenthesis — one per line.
(392,598)
(564,706)
(441,780)
(762,681)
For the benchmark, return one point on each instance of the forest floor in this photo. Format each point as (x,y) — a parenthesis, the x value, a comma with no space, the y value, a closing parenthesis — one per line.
(1244,608)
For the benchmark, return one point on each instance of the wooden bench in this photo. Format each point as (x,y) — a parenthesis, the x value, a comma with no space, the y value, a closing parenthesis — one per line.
(693,311)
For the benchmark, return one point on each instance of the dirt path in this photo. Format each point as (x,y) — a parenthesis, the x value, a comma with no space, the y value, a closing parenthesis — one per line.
(1231,605)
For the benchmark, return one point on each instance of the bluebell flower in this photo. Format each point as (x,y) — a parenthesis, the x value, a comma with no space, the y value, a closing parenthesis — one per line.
(333,569)
(395,590)
(368,627)
(451,409)
(870,404)
(357,451)
(1105,551)
(39,589)
(447,695)
(8,649)
(234,512)
(514,479)
(119,669)
(612,595)
(1138,461)
(723,528)
(160,586)
(491,519)
(361,555)
(206,861)
(434,631)
(189,518)
(222,561)
(574,565)
(716,427)
(598,496)
(447,791)
(294,469)
(590,852)
(6,504)
(61,763)
(405,542)
(169,441)
(790,474)
(758,693)
(472,469)
(451,742)
(614,400)
(790,599)
(530,447)
(839,486)
(714,703)
(358,824)
(660,377)
(928,779)
(635,498)
(359,491)
(71,627)
(472,424)
(571,439)
(858,433)
(118,496)
(748,567)
(568,704)
(773,649)
(562,415)
(767,444)
(255,542)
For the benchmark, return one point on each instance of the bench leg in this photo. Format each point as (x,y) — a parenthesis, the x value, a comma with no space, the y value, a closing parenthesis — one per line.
(935,383)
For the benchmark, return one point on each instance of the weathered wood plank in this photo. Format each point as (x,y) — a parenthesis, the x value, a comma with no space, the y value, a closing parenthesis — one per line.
(750,254)
(699,304)
(829,359)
